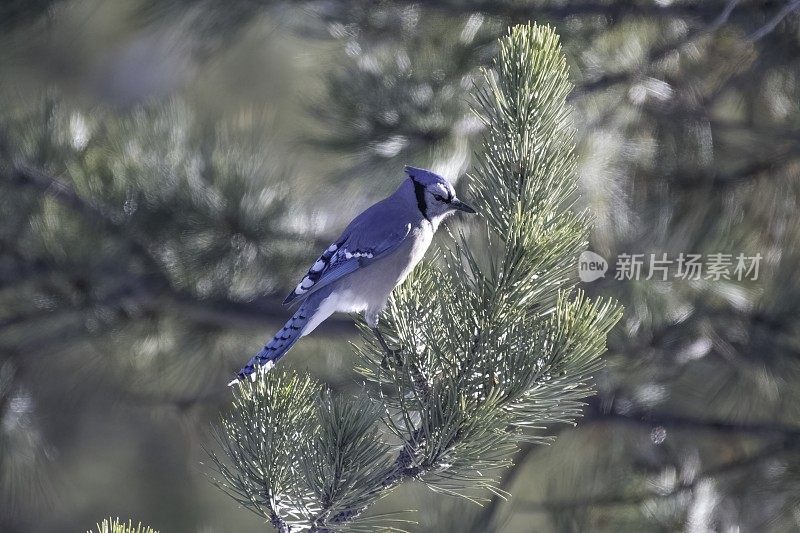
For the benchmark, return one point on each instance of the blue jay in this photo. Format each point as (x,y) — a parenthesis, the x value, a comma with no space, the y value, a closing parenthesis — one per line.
(373,255)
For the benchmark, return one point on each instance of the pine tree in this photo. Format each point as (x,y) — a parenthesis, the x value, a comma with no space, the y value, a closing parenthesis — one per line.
(495,345)
(687,118)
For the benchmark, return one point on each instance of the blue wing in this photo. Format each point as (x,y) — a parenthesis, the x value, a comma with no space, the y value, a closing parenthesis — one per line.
(356,248)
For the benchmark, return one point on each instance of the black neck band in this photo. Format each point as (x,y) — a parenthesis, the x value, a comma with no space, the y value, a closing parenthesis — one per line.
(419,192)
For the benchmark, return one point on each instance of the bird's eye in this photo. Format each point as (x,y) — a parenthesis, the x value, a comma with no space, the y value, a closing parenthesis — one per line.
(439,197)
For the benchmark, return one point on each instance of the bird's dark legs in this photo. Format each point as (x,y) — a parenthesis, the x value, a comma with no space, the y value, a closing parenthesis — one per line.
(381,340)
(394,352)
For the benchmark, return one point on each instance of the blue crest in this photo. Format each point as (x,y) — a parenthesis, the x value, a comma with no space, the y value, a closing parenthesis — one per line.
(425,177)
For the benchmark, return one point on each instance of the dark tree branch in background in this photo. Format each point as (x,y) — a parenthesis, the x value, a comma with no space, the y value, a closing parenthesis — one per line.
(657,54)
(63,193)
(155,282)
(154,291)
(719,180)
(774,21)
(532,9)
(655,419)
(602,500)
(238,314)
(788,438)
(595,413)
(491,510)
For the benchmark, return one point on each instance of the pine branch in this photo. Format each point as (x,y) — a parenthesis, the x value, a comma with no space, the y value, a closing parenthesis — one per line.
(505,349)
(114,525)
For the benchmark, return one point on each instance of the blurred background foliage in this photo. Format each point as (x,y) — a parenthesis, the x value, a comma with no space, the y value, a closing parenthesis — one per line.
(168,169)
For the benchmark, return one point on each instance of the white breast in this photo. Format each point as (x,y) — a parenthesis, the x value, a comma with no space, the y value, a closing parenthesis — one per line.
(368,289)
(419,240)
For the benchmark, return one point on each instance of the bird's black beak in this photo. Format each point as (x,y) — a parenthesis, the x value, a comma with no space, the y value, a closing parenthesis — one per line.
(461,206)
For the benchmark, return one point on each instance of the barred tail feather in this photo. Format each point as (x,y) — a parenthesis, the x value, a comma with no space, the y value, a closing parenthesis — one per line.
(269,355)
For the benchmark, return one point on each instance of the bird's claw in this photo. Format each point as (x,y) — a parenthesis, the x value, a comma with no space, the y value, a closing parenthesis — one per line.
(396,353)
(396,356)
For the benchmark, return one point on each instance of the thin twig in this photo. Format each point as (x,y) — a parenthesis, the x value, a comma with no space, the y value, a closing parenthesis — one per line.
(764,30)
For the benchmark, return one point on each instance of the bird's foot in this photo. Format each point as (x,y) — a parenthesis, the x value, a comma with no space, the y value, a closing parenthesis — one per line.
(395,354)
(392,358)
